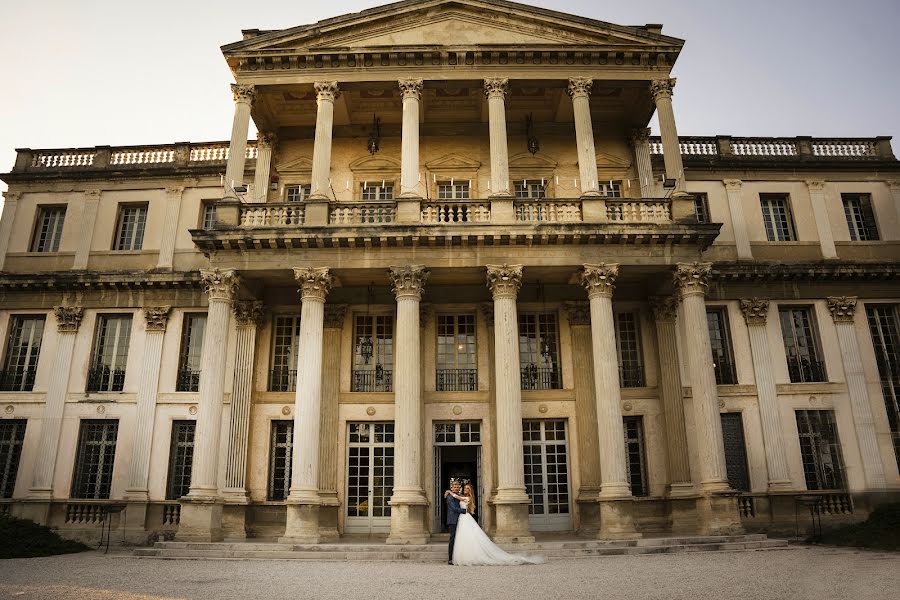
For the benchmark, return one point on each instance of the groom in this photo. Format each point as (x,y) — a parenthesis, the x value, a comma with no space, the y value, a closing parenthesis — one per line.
(453,512)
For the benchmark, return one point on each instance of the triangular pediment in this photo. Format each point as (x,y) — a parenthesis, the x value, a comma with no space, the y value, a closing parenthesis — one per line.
(612,161)
(296,165)
(525,160)
(452,162)
(460,23)
(375,163)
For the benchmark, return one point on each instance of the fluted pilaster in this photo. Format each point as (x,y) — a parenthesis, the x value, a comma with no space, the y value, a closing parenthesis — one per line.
(170,227)
(733,189)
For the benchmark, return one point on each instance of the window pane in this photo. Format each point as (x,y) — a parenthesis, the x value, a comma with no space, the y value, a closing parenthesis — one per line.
(107,373)
(456,353)
(132,220)
(49,229)
(23,349)
(860,217)
(181,456)
(12,436)
(539,351)
(735,451)
(634,454)
(801,345)
(823,465)
(701,208)
(285,350)
(628,345)
(777,218)
(189,357)
(885,331)
(280,455)
(94,461)
(373,353)
(720,341)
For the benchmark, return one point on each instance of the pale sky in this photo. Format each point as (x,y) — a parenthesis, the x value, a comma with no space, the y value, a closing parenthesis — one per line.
(115,72)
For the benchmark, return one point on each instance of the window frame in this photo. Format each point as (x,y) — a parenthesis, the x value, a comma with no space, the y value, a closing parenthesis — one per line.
(208,208)
(181,455)
(863,226)
(97,352)
(187,376)
(728,346)
(462,374)
(773,234)
(12,440)
(701,207)
(38,244)
(283,360)
(640,368)
(304,191)
(22,381)
(636,446)
(458,189)
(813,471)
(382,327)
(287,448)
(103,476)
(813,344)
(383,193)
(529,189)
(883,322)
(539,374)
(611,188)
(135,242)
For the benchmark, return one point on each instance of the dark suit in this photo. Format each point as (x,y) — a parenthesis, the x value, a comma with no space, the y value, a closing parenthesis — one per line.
(453,512)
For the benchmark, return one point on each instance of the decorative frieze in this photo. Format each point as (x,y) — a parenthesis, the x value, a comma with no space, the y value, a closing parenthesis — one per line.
(410,88)
(664,308)
(662,88)
(578,313)
(600,279)
(249,313)
(580,87)
(157,317)
(68,318)
(315,282)
(334,315)
(219,284)
(244,93)
(692,278)
(842,308)
(327,90)
(408,281)
(755,310)
(504,280)
(496,87)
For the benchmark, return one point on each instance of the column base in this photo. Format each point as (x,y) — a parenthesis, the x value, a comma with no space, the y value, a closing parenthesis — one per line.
(408,522)
(617,520)
(512,523)
(781,486)
(234,521)
(717,514)
(682,490)
(328,517)
(683,515)
(136,523)
(588,512)
(302,526)
(201,520)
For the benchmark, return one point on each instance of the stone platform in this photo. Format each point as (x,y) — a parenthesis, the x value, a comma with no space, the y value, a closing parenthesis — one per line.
(366,549)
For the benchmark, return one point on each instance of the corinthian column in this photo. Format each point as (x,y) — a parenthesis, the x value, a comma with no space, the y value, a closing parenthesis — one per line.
(580,91)
(409,150)
(661,90)
(408,500)
(265,142)
(244,95)
(326,93)
(511,500)
(756,312)
(843,311)
(201,510)
(303,500)
(640,143)
(495,90)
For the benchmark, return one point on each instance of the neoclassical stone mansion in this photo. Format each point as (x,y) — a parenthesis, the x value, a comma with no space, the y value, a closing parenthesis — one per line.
(453,250)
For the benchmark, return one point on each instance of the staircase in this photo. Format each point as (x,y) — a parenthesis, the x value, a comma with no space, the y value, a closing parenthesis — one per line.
(437,552)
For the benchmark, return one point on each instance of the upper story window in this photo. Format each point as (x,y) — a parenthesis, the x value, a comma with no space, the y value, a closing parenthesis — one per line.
(720,340)
(529,189)
(628,347)
(297,193)
(701,208)
(611,189)
(801,344)
(48,231)
(372,192)
(776,212)
(189,356)
(22,352)
(209,216)
(452,190)
(860,217)
(884,326)
(95,458)
(539,351)
(457,367)
(285,347)
(130,229)
(820,450)
(107,372)
(373,353)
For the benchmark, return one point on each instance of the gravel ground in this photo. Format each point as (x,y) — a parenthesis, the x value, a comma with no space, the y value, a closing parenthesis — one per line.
(796,573)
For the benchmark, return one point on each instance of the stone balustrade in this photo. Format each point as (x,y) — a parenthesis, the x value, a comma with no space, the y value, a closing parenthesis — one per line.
(148,157)
(627,210)
(766,148)
(85,512)
(272,215)
(450,212)
(142,156)
(62,159)
(562,211)
(363,213)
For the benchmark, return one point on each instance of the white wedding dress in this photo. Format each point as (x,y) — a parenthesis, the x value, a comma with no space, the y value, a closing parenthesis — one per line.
(473,547)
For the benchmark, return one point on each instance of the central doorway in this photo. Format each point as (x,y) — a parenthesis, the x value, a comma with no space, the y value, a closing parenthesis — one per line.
(457,454)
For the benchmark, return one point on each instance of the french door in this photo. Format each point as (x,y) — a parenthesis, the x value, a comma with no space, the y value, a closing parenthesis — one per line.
(370,477)
(546,450)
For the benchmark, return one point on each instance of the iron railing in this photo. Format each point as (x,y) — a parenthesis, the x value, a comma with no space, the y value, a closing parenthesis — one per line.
(630,377)
(282,380)
(104,379)
(725,372)
(188,381)
(373,380)
(535,378)
(806,370)
(457,380)
(17,380)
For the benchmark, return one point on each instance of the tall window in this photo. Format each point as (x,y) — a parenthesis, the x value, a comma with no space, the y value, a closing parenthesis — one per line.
(280,450)
(801,344)
(776,212)
(94,461)
(860,217)
(820,449)
(628,348)
(374,191)
(48,231)
(22,351)
(130,229)
(189,356)
(529,189)
(107,372)
(181,457)
(457,369)
(539,351)
(455,190)
(611,189)
(373,353)
(297,193)
(735,451)
(285,348)
(720,340)
(12,435)
(884,325)
(209,215)
(701,208)
(634,454)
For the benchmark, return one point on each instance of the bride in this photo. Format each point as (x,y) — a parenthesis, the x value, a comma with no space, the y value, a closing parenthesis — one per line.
(473,546)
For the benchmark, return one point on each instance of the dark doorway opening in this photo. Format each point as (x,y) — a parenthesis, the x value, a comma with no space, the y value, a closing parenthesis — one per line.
(458,462)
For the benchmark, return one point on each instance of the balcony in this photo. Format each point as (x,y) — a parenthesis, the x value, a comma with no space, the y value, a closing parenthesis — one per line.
(282,380)
(372,380)
(456,380)
(188,381)
(806,369)
(725,372)
(104,379)
(630,377)
(535,378)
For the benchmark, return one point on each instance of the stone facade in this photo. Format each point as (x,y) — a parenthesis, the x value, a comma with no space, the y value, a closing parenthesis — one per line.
(500,276)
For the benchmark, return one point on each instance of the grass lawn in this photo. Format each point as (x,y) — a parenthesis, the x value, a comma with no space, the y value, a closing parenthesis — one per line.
(20,538)
(881,531)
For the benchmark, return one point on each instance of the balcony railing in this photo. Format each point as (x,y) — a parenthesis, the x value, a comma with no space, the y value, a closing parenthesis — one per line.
(451,212)
(457,380)
(792,149)
(17,380)
(806,370)
(624,210)
(562,211)
(725,372)
(363,213)
(535,378)
(630,377)
(188,381)
(372,380)
(282,380)
(104,379)
(273,215)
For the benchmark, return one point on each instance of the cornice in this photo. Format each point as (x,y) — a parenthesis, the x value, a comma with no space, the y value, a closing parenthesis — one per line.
(97,280)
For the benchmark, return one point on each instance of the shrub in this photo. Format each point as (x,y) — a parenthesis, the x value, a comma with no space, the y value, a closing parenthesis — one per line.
(21,538)
(880,531)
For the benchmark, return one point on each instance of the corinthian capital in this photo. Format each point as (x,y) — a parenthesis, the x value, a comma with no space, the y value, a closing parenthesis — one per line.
(243,93)
(662,88)
(334,315)
(504,281)
(842,308)
(315,282)
(639,136)
(408,281)
(411,88)
(219,284)
(266,140)
(496,88)
(248,312)
(580,87)
(692,278)
(68,318)
(157,317)
(327,90)
(815,185)
(600,279)
(664,308)
(577,313)
(755,310)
